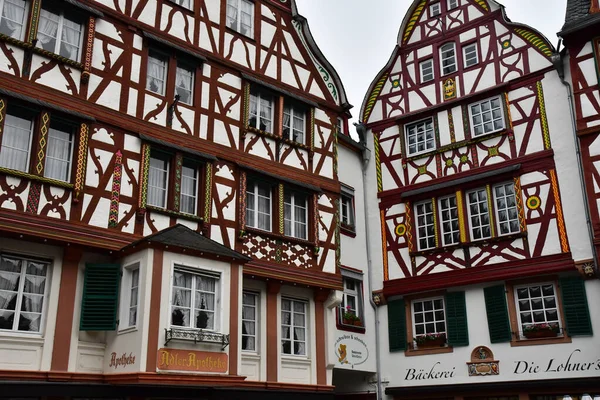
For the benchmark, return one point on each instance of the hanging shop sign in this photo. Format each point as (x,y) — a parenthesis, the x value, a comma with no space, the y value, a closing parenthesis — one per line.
(189,360)
(351,350)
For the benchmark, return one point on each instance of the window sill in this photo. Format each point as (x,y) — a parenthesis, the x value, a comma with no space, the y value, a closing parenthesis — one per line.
(478,242)
(277,138)
(251,355)
(348,230)
(21,174)
(350,328)
(424,352)
(15,337)
(540,341)
(234,32)
(303,359)
(37,50)
(278,236)
(174,213)
(129,329)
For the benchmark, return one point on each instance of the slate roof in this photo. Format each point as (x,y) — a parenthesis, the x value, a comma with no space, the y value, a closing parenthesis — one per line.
(183,237)
(578,16)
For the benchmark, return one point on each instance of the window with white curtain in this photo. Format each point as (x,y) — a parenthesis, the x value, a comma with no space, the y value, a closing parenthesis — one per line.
(23,293)
(156,75)
(189,188)
(59,32)
(258,205)
(194,299)
(184,83)
(16,142)
(158,180)
(240,16)
(295,215)
(294,122)
(129,297)
(59,152)
(250,313)
(13,18)
(261,111)
(293,326)
(448,58)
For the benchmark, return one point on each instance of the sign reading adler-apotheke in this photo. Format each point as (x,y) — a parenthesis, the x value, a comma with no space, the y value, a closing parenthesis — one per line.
(190,360)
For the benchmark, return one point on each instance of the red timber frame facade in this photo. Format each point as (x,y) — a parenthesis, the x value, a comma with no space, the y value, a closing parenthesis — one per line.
(121,121)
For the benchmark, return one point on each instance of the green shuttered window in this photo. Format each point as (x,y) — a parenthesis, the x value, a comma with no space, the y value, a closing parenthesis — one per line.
(397,325)
(456,319)
(497,314)
(100,297)
(575,307)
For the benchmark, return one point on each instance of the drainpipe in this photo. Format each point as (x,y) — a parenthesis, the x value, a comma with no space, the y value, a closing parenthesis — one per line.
(558,60)
(366,157)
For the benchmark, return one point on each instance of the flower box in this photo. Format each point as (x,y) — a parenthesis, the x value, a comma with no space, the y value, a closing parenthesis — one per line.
(539,334)
(542,330)
(430,340)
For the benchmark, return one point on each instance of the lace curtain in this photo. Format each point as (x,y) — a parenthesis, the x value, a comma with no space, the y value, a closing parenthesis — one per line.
(232,13)
(249,322)
(16,140)
(183,85)
(13,15)
(157,182)
(70,39)
(182,299)
(188,190)
(246,18)
(156,74)
(58,155)
(205,302)
(47,30)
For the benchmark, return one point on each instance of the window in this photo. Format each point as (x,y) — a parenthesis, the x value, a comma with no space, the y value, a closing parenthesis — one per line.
(420,137)
(506,208)
(448,57)
(340,126)
(506,211)
(129,297)
(426,70)
(249,321)
(425,225)
(449,220)
(261,111)
(434,10)
(537,304)
(295,215)
(185,3)
(352,303)
(59,32)
(173,182)
(428,317)
(23,293)
(486,116)
(258,206)
(452,4)
(294,122)
(194,301)
(479,214)
(13,18)
(293,327)
(470,55)
(240,16)
(19,143)
(162,65)
(347,208)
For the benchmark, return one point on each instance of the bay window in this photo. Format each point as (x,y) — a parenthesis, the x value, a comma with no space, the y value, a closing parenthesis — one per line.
(250,313)
(194,299)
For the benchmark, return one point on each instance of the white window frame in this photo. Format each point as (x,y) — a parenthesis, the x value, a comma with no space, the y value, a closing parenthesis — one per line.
(20,293)
(424,323)
(69,159)
(258,97)
(252,190)
(126,297)
(480,214)
(452,4)
(158,58)
(166,159)
(481,113)
(424,65)
(181,66)
(4,136)
(443,49)
(23,23)
(340,126)
(543,309)
(237,4)
(427,225)
(255,321)
(294,207)
(347,207)
(294,111)
(435,9)
(292,326)
(469,48)
(195,179)
(407,133)
(59,30)
(197,273)
(497,209)
(451,220)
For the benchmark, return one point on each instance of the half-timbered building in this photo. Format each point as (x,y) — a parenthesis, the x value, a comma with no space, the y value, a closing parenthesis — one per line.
(169,199)
(486,264)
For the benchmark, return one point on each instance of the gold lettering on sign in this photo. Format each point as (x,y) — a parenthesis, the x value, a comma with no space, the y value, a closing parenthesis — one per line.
(188,360)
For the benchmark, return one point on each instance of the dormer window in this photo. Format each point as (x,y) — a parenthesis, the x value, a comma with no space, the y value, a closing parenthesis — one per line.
(434,10)
(452,4)
(448,57)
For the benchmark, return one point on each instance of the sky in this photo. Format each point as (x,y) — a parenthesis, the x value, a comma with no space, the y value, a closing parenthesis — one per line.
(358,36)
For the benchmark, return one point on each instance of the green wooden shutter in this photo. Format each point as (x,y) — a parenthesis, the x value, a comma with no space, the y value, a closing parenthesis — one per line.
(575,306)
(397,325)
(456,319)
(497,314)
(100,299)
